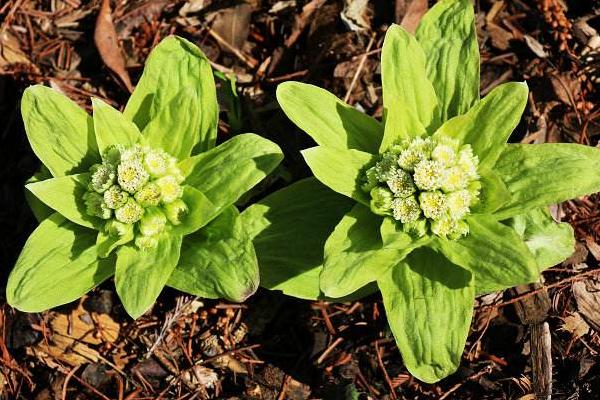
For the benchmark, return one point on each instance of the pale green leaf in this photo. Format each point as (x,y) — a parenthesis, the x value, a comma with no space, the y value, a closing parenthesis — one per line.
(355,255)
(173,65)
(112,128)
(229,170)
(65,195)
(290,228)
(429,305)
(141,274)
(175,128)
(57,265)
(406,88)
(447,35)
(549,242)
(39,209)
(488,125)
(218,261)
(201,211)
(494,253)
(340,169)
(327,119)
(399,125)
(106,243)
(544,174)
(60,132)
(493,194)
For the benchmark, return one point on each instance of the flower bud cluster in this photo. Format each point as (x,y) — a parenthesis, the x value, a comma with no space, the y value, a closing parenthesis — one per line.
(136,189)
(426,184)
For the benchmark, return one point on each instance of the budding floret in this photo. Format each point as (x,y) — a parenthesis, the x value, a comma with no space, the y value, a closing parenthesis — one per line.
(371,179)
(381,200)
(132,175)
(148,195)
(406,209)
(453,178)
(176,211)
(169,188)
(443,226)
(112,155)
(385,167)
(130,213)
(118,229)
(103,176)
(153,222)
(433,204)
(115,197)
(401,183)
(444,154)
(458,203)
(409,158)
(468,162)
(428,175)
(146,242)
(95,205)
(134,153)
(156,162)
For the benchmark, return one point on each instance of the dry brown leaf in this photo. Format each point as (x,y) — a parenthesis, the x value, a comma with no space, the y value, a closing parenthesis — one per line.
(575,325)
(566,87)
(71,336)
(11,53)
(105,37)
(232,24)
(415,11)
(587,296)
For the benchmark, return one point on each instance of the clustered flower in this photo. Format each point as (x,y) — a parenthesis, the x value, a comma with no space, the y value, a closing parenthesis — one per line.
(426,184)
(137,190)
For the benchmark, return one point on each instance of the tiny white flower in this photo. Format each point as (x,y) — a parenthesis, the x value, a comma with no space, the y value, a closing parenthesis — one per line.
(169,188)
(401,183)
(406,210)
(102,177)
(433,204)
(130,213)
(428,175)
(132,175)
(458,203)
(148,195)
(115,197)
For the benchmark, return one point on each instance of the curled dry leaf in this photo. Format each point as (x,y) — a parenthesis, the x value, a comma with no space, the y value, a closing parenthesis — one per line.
(105,37)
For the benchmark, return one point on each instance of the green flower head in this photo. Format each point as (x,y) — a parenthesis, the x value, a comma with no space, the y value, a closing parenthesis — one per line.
(143,182)
(438,174)
(124,193)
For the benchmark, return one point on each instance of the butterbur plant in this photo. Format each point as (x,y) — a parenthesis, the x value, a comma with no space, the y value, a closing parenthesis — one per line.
(431,204)
(144,194)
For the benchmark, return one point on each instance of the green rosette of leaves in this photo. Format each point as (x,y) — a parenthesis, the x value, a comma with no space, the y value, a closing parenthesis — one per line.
(144,194)
(431,205)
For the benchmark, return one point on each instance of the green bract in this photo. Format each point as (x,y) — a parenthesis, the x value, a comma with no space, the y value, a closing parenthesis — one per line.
(431,204)
(144,195)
